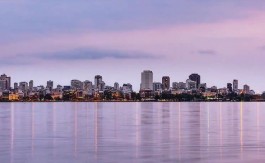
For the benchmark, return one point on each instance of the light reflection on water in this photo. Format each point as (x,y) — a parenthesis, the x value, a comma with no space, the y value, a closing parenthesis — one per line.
(132,132)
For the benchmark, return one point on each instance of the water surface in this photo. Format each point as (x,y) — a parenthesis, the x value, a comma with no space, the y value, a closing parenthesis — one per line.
(132,132)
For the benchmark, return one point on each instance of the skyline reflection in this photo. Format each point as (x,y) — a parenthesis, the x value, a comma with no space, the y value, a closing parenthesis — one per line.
(141,132)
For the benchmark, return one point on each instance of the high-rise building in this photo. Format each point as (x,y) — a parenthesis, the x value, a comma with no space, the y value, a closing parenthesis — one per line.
(246,89)
(15,85)
(76,84)
(31,85)
(49,85)
(98,80)
(23,86)
(127,88)
(166,82)
(88,86)
(196,78)
(203,87)
(235,85)
(146,80)
(190,84)
(5,82)
(175,85)
(101,86)
(157,86)
(229,87)
(116,86)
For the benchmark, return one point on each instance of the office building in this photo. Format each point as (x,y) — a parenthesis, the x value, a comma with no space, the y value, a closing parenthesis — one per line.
(190,84)
(23,86)
(5,82)
(87,85)
(15,85)
(165,82)
(49,85)
(175,85)
(181,85)
(31,85)
(235,85)
(146,80)
(229,87)
(246,89)
(76,84)
(97,81)
(196,78)
(157,86)
(116,86)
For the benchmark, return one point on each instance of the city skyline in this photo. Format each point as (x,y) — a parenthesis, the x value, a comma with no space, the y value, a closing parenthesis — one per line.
(147,82)
(64,40)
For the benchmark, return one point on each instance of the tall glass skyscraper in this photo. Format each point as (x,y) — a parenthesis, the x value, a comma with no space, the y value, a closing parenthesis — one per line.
(147,80)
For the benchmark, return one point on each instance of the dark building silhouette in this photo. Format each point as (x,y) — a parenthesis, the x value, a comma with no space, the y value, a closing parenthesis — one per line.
(97,81)
(229,87)
(196,78)
(165,82)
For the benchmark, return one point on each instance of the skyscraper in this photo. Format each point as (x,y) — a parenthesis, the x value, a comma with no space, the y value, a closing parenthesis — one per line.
(166,82)
(235,85)
(196,78)
(31,85)
(5,82)
(190,84)
(23,86)
(76,84)
(146,80)
(98,80)
(49,85)
(157,86)
(229,87)
(246,89)
(87,85)
(15,85)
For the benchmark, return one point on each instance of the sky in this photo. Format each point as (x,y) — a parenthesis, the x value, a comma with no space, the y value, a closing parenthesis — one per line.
(118,39)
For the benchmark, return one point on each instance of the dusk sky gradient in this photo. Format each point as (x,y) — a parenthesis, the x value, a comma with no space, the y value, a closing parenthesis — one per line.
(118,39)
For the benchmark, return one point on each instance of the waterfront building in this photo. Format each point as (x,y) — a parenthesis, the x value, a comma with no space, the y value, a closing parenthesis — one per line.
(203,87)
(15,86)
(87,86)
(98,81)
(49,85)
(116,86)
(23,86)
(76,84)
(157,86)
(175,85)
(190,84)
(235,85)
(101,86)
(246,89)
(229,87)
(165,82)
(5,82)
(146,80)
(181,85)
(196,78)
(31,85)
(127,88)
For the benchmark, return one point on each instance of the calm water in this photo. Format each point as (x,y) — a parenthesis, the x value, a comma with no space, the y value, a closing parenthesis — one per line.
(132,132)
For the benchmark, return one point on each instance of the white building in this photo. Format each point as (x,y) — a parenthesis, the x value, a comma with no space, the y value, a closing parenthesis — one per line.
(146,80)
